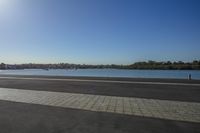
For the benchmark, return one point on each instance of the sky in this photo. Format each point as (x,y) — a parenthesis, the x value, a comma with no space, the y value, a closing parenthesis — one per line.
(99,31)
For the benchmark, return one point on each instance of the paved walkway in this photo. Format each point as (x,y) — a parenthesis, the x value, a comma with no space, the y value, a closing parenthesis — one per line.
(164,109)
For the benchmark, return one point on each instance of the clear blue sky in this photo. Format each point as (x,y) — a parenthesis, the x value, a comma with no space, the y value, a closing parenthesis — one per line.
(99,31)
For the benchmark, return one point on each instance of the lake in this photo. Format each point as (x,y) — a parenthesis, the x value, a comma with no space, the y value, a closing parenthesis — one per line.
(180,74)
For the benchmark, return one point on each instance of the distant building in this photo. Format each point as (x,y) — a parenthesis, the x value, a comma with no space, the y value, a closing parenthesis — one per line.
(10,66)
(3,66)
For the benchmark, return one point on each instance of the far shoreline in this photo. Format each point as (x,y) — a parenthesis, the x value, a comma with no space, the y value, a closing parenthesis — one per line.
(103,69)
(143,65)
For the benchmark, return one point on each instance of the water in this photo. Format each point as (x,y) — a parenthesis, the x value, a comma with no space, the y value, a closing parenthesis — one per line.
(179,74)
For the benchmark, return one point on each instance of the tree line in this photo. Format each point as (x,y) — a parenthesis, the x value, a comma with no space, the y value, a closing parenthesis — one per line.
(180,65)
(152,65)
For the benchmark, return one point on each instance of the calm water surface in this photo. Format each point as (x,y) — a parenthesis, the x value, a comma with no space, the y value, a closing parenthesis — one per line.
(181,74)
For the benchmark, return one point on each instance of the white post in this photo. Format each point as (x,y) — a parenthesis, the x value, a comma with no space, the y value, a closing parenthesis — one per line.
(189,77)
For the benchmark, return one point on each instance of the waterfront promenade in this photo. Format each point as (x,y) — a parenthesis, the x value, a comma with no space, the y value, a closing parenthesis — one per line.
(85,104)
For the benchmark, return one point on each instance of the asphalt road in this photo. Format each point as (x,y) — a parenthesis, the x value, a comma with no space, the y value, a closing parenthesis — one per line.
(31,118)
